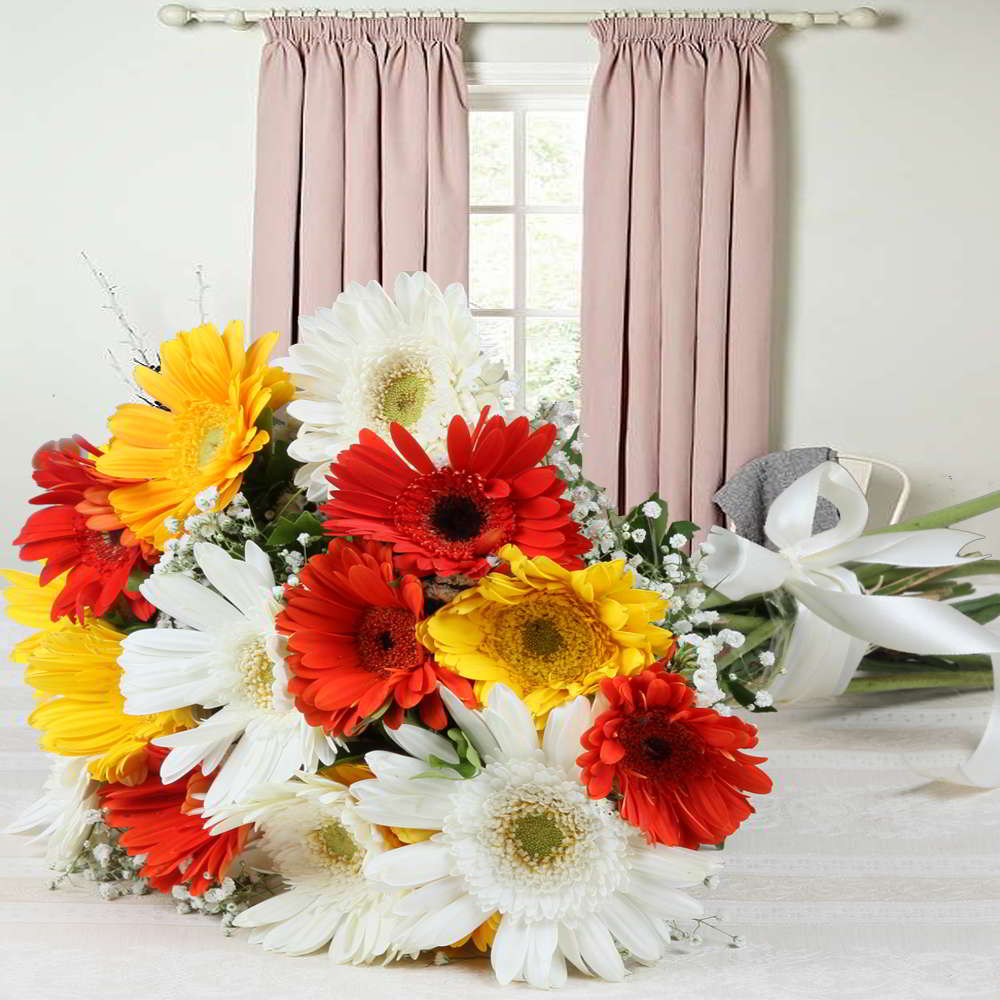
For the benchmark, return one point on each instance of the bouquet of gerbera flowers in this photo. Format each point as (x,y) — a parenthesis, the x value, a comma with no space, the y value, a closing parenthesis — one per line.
(362,679)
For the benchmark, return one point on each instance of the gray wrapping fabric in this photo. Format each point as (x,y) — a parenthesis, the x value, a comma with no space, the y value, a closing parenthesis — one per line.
(748,495)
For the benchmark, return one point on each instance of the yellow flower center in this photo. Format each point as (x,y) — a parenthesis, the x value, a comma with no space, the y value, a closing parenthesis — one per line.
(537,835)
(335,847)
(201,430)
(401,392)
(547,640)
(256,673)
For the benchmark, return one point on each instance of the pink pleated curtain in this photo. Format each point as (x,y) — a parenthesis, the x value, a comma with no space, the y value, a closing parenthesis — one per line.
(362,160)
(677,258)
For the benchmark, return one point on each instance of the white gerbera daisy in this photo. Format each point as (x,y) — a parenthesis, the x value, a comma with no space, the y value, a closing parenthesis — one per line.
(315,840)
(228,656)
(64,813)
(570,879)
(370,360)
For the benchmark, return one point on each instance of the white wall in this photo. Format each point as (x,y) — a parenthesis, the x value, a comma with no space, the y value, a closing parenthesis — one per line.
(134,142)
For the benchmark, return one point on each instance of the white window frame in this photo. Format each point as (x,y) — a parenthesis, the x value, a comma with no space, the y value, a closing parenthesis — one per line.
(518,88)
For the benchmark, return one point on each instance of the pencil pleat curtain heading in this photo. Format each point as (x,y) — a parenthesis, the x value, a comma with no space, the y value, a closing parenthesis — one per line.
(677,258)
(362,160)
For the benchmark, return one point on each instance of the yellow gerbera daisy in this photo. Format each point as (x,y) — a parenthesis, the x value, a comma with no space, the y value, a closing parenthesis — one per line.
(30,604)
(74,671)
(548,633)
(213,391)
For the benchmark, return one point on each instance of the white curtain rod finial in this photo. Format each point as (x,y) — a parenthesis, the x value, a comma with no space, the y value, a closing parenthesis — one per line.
(174,15)
(860,17)
(237,19)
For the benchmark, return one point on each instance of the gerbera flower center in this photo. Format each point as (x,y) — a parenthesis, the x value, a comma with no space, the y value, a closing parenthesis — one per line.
(537,835)
(656,747)
(387,640)
(100,549)
(256,672)
(200,434)
(448,513)
(546,640)
(457,518)
(403,397)
(334,847)
(530,843)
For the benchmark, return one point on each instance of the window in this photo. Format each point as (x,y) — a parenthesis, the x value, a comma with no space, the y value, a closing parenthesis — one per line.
(526,190)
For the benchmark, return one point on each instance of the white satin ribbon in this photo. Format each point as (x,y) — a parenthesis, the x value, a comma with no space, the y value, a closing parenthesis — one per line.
(836,620)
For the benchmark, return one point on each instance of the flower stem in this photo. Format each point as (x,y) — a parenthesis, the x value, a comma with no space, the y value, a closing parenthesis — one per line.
(947,516)
(928,679)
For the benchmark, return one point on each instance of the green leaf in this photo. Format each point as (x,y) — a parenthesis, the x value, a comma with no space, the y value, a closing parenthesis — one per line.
(745,696)
(136,578)
(980,609)
(285,531)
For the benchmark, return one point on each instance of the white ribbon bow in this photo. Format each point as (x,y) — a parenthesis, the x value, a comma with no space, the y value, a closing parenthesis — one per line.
(836,620)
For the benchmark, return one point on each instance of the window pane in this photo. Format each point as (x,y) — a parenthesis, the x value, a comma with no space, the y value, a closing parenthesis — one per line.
(553,261)
(554,166)
(491,261)
(552,359)
(496,333)
(491,157)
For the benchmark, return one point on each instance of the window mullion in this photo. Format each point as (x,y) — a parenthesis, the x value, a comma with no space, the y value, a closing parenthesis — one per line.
(520,256)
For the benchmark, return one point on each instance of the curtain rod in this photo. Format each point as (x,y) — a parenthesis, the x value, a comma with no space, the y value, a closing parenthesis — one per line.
(177,15)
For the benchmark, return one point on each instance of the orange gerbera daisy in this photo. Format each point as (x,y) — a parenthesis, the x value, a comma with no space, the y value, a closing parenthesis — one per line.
(164,822)
(352,644)
(79,533)
(680,770)
(203,434)
(448,519)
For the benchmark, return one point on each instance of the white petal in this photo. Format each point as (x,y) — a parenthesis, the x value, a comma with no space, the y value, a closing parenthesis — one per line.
(471,723)
(411,865)
(597,948)
(394,765)
(541,966)
(673,867)
(423,743)
(256,557)
(510,722)
(632,928)
(191,603)
(430,897)
(666,904)
(281,907)
(509,950)
(448,924)
(232,578)
(563,730)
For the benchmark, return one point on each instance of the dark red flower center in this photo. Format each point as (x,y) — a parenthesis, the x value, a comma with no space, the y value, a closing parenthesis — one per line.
(101,549)
(656,747)
(387,640)
(449,514)
(457,518)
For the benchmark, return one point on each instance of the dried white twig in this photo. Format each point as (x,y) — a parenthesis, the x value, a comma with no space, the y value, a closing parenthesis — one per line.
(199,273)
(136,345)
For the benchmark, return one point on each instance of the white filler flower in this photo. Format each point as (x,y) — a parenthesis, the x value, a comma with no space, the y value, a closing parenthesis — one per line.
(63,815)
(313,838)
(571,880)
(228,656)
(370,360)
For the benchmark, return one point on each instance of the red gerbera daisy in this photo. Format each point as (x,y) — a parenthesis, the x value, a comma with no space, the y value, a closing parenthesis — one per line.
(447,520)
(352,646)
(164,822)
(680,769)
(79,531)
